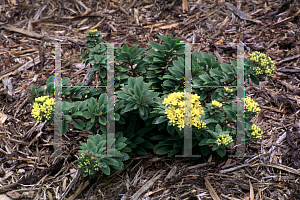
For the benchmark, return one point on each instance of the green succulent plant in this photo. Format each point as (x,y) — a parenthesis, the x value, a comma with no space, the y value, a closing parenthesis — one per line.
(145,116)
(96,153)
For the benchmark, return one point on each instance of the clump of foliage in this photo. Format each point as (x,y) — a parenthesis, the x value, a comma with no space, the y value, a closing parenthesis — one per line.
(150,102)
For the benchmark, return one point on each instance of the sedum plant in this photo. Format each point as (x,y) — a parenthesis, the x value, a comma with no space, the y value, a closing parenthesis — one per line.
(135,102)
(96,153)
(130,63)
(150,100)
(161,58)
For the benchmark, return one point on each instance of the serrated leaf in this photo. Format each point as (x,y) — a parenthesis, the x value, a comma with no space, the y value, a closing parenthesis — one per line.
(105,170)
(140,151)
(138,140)
(215,73)
(110,161)
(148,145)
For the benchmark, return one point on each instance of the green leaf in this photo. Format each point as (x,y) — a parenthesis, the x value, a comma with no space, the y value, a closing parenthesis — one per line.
(137,91)
(221,152)
(207,142)
(161,126)
(105,170)
(78,124)
(140,151)
(164,38)
(218,128)
(159,137)
(110,161)
(142,111)
(215,147)
(208,62)
(67,117)
(102,73)
(87,115)
(128,107)
(254,79)
(160,119)
(102,120)
(89,125)
(205,150)
(226,68)
(65,81)
(63,126)
(96,67)
(102,99)
(120,145)
(92,103)
(155,45)
(155,53)
(215,73)
(82,105)
(138,140)
(205,77)
(163,150)
(174,151)
(137,52)
(77,114)
(50,81)
(148,144)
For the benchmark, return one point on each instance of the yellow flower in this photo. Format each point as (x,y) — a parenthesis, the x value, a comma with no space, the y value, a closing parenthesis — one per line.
(175,109)
(224,139)
(93,31)
(216,104)
(251,106)
(266,63)
(42,108)
(256,132)
(228,90)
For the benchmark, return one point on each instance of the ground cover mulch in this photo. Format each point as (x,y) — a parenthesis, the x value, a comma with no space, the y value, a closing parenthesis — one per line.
(28,30)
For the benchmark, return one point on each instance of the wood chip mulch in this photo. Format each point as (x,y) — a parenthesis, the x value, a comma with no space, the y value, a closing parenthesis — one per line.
(28,31)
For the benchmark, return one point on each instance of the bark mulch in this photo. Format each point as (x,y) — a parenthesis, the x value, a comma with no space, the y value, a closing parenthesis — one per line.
(29,29)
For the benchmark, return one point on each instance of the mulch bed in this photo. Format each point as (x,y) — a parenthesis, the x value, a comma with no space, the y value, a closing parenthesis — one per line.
(29,30)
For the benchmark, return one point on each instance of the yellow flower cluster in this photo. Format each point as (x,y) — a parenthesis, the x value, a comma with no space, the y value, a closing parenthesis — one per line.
(265,62)
(216,104)
(256,132)
(42,108)
(175,111)
(251,105)
(228,90)
(85,162)
(224,139)
(93,31)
